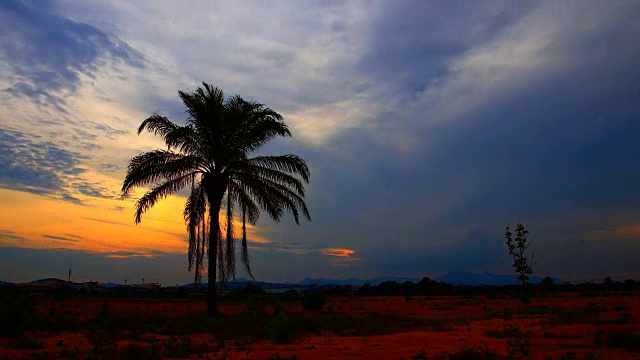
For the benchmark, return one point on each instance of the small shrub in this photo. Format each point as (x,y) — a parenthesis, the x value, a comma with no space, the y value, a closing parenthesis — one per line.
(137,351)
(619,307)
(569,355)
(507,313)
(594,308)
(628,340)
(506,332)
(517,342)
(280,329)
(291,292)
(313,300)
(26,342)
(177,348)
(521,264)
(518,345)
(15,312)
(421,354)
(102,337)
(252,289)
(277,356)
(470,353)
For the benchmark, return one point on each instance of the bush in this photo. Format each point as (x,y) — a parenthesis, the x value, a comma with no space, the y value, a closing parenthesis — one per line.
(280,329)
(629,340)
(178,347)
(313,300)
(14,311)
(252,289)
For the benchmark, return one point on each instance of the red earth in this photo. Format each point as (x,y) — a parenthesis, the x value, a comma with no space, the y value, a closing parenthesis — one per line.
(560,326)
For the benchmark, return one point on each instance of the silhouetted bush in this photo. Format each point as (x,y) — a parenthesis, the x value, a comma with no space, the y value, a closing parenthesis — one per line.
(251,289)
(313,300)
(14,314)
(280,329)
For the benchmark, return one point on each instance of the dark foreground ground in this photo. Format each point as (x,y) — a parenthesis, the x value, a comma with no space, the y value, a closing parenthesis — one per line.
(552,326)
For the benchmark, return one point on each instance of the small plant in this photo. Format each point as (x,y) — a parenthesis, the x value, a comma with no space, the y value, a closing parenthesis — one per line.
(523,266)
(421,354)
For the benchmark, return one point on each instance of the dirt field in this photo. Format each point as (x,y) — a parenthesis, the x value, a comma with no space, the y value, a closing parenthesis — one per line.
(561,326)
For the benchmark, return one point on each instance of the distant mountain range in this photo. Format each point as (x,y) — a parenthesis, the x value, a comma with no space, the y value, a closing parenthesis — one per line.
(455,278)
(465,278)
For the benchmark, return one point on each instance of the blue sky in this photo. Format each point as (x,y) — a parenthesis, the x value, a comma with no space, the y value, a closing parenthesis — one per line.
(428,127)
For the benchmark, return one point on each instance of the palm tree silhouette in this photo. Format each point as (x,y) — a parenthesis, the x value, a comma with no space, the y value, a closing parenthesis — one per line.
(211,153)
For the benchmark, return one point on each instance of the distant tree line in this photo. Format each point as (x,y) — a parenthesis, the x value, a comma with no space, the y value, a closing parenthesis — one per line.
(429,287)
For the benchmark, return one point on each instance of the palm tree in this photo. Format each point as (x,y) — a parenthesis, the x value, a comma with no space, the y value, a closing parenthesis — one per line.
(212,153)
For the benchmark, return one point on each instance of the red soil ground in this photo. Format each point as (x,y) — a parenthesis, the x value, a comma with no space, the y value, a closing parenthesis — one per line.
(564,325)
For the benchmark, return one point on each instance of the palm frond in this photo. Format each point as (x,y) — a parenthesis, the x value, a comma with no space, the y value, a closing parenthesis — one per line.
(195,208)
(157,165)
(252,124)
(159,192)
(250,209)
(292,164)
(245,248)
(158,125)
(273,195)
(277,176)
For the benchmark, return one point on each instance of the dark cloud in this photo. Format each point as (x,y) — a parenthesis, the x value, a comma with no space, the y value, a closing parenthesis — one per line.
(34,166)
(73,236)
(48,53)
(71,199)
(60,238)
(42,167)
(109,168)
(94,190)
(10,235)
(130,225)
(562,148)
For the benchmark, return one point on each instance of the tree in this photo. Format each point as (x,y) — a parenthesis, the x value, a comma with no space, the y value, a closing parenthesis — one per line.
(521,264)
(212,153)
(547,282)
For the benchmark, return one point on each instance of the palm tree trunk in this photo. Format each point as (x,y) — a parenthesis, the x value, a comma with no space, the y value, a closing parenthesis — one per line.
(215,186)
(197,268)
(214,227)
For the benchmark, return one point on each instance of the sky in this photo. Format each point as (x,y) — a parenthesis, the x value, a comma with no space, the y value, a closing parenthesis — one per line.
(428,127)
